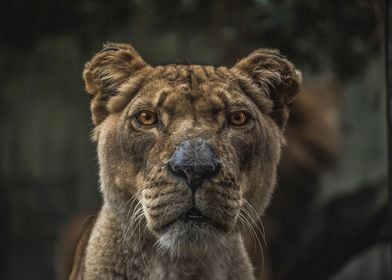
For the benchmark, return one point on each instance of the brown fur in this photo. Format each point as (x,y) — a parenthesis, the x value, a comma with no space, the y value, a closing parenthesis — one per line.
(70,248)
(80,250)
(137,234)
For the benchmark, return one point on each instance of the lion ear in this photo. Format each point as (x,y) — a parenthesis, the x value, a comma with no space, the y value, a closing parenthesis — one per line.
(106,71)
(267,72)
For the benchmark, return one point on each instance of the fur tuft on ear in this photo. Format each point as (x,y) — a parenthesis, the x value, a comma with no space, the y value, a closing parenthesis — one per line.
(106,71)
(266,72)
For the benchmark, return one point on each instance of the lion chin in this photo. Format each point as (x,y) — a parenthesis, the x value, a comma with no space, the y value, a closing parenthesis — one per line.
(190,234)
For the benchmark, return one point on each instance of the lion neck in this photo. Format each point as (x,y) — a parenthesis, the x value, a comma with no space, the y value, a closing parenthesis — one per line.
(114,251)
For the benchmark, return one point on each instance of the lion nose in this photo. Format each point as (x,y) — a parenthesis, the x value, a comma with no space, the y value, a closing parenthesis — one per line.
(194,161)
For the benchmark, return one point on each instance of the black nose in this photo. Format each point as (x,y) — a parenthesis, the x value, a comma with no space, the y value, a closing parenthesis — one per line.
(194,161)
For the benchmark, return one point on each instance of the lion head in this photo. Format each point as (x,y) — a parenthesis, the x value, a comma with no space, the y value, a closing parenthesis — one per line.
(185,149)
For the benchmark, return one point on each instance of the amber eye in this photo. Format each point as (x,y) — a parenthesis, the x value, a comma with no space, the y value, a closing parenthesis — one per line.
(146,118)
(238,118)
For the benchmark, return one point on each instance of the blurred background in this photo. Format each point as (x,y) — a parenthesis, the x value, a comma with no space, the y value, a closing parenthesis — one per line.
(328,218)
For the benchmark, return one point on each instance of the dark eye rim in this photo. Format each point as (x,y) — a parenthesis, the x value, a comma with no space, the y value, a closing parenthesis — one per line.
(136,117)
(248,115)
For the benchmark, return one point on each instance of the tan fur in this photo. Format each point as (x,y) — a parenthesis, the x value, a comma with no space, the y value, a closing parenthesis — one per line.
(137,234)
(80,250)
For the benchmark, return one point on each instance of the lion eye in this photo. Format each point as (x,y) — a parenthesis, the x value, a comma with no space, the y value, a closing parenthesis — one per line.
(146,118)
(238,118)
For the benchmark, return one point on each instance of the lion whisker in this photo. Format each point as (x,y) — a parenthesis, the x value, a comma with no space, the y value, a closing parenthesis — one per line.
(251,223)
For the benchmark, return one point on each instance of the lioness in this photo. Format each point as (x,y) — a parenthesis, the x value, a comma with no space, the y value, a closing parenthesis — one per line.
(188,157)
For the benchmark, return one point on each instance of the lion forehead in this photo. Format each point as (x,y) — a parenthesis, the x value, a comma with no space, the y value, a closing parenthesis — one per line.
(187,82)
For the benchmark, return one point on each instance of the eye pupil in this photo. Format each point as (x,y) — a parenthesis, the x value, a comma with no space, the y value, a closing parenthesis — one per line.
(238,118)
(147,118)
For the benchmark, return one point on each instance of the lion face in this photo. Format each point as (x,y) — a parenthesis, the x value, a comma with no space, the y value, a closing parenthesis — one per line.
(186,148)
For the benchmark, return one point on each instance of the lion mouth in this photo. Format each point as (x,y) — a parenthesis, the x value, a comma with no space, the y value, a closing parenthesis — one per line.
(193,214)
(195,218)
